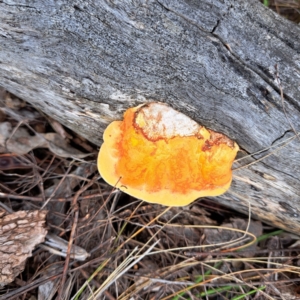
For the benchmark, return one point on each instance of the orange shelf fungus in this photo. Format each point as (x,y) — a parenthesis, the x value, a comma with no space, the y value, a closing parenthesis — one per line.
(160,155)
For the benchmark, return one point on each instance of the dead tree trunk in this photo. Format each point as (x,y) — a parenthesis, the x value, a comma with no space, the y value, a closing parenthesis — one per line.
(85,62)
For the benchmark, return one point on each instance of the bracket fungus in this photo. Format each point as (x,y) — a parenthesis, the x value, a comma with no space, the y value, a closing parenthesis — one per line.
(160,155)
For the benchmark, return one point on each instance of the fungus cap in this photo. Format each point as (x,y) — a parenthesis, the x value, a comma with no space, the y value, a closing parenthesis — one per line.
(160,155)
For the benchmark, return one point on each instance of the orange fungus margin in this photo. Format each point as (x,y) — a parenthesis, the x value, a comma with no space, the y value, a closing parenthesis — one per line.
(159,155)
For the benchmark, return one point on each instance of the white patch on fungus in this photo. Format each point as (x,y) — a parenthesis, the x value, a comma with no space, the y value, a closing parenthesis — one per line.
(157,120)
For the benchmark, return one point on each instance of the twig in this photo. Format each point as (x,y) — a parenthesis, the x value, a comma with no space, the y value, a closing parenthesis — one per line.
(72,235)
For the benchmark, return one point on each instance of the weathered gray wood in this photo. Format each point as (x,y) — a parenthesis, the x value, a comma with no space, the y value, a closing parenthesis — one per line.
(85,62)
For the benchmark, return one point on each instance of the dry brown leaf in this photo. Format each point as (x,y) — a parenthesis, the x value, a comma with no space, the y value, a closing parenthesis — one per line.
(60,147)
(13,102)
(21,142)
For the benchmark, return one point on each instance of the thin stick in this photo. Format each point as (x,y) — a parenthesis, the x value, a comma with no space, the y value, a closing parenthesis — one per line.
(72,235)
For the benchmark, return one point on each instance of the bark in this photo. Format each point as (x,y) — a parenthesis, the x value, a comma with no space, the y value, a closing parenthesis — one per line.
(20,232)
(85,62)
